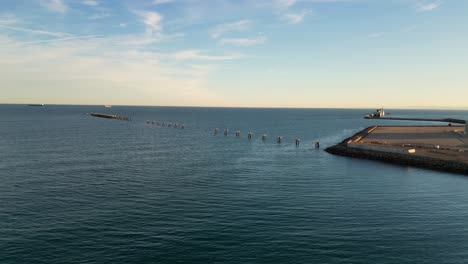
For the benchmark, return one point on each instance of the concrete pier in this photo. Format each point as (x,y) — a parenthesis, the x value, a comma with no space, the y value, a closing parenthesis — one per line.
(443,148)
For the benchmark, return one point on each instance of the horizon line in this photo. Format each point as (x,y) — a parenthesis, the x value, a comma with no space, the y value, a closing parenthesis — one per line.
(254,107)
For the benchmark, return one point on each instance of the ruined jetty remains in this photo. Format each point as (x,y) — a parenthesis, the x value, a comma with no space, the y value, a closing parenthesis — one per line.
(110,116)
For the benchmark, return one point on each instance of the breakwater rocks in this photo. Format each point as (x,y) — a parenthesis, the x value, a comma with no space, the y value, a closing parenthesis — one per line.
(351,147)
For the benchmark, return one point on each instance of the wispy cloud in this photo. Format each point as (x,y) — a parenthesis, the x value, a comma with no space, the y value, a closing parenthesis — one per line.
(241,25)
(54,5)
(80,65)
(243,42)
(144,40)
(152,20)
(199,55)
(409,29)
(37,32)
(91,2)
(99,16)
(8,19)
(375,35)
(286,11)
(61,39)
(294,17)
(426,7)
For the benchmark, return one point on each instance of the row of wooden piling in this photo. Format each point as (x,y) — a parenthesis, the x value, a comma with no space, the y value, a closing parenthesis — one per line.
(165,124)
(279,139)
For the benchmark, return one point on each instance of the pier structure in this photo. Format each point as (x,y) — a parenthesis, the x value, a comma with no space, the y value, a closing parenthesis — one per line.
(443,148)
(444,120)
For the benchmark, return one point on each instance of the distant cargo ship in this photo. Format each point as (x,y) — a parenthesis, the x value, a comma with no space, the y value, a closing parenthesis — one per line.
(379,113)
(35,104)
(108,106)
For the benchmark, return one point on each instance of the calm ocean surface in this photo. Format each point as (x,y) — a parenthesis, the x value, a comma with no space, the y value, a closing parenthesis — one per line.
(78,189)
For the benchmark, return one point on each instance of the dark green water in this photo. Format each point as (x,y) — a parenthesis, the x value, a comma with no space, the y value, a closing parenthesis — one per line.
(77,189)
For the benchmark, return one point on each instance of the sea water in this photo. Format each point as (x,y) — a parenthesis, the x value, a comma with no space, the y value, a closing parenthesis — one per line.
(80,189)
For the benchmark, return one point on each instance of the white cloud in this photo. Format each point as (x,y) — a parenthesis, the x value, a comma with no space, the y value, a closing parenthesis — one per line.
(241,25)
(91,2)
(123,25)
(243,42)
(54,5)
(426,7)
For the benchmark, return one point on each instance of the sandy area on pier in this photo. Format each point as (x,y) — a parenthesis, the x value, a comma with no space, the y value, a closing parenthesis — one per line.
(444,142)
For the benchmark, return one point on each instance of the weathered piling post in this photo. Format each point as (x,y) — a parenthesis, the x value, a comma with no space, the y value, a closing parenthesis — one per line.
(249,135)
(264,136)
(215,131)
(279,139)
(298,141)
(226,131)
(237,133)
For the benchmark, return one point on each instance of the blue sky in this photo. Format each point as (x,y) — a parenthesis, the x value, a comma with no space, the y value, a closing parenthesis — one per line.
(265,53)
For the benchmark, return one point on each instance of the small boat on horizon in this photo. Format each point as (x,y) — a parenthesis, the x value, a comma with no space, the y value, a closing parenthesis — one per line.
(108,106)
(35,104)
